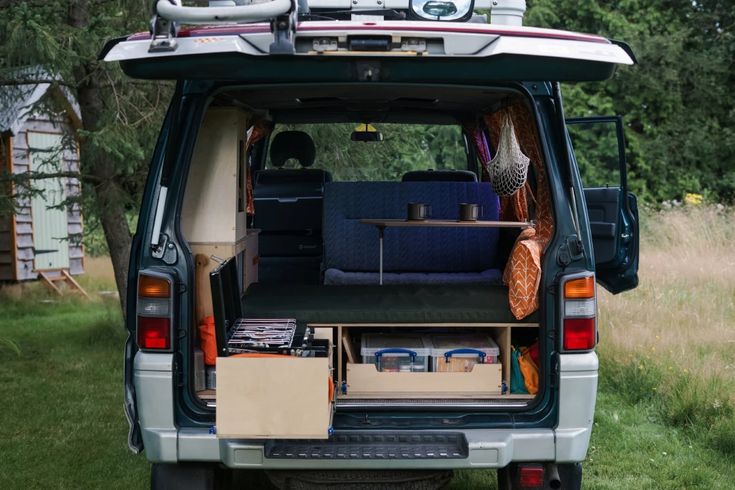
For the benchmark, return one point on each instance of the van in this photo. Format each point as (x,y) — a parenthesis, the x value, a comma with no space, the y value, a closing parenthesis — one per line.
(366,252)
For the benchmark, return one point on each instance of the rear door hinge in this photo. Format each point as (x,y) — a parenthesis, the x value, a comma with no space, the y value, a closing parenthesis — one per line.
(554,371)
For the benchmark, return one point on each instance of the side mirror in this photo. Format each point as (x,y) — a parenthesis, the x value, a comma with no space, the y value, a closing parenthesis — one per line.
(366,133)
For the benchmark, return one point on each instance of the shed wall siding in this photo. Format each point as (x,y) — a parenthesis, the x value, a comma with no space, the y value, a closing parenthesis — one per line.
(7,245)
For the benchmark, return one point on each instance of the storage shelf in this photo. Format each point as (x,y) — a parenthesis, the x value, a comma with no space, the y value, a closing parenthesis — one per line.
(501,332)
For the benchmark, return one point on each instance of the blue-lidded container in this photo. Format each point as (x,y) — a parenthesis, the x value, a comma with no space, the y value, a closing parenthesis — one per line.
(459,353)
(395,352)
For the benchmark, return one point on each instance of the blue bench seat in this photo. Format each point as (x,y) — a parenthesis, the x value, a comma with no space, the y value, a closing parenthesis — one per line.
(421,255)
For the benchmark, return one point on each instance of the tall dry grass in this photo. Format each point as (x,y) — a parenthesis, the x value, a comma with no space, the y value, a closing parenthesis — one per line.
(683,311)
(673,338)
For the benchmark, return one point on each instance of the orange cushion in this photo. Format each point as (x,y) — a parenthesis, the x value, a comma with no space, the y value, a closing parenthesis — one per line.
(522,274)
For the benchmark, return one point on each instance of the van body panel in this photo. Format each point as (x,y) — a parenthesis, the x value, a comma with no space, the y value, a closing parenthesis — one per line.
(154,390)
(577,396)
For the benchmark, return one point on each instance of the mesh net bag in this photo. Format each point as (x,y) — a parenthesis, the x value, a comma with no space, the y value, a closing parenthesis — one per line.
(509,168)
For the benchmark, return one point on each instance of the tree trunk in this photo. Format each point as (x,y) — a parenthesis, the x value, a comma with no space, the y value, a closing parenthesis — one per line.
(109,197)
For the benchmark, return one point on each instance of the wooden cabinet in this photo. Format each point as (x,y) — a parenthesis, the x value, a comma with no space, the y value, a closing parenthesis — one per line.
(274,398)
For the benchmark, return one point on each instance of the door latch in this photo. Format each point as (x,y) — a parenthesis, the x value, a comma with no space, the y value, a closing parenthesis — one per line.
(165,250)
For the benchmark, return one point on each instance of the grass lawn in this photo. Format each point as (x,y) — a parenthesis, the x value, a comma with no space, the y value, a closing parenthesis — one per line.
(63,424)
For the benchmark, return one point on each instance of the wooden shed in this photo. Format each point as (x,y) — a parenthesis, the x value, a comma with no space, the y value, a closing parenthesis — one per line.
(42,239)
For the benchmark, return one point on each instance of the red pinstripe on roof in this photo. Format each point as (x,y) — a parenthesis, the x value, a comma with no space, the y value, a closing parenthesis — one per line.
(434,27)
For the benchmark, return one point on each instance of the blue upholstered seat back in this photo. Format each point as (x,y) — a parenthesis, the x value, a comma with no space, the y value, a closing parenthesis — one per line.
(352,246)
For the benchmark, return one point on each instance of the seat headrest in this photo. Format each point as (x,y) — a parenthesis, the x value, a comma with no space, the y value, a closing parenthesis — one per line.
(439,176)
(292,144)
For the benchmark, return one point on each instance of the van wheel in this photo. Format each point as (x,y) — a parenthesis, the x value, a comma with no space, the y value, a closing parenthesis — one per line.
(570,475)
(183,476)
(360,480)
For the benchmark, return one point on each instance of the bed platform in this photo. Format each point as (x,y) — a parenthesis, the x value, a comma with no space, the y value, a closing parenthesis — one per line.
(381,304)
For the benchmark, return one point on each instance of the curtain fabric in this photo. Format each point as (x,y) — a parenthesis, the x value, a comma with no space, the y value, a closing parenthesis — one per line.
(259,130)
(522,273)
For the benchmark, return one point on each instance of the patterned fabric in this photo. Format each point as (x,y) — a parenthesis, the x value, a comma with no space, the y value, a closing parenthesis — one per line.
(259,130)
(523,271)
(353,246)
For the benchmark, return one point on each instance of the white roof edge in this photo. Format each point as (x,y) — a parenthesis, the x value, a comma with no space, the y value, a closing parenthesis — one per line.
(457,43)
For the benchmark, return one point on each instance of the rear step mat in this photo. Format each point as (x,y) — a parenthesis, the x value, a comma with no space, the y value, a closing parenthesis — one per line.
(371,445)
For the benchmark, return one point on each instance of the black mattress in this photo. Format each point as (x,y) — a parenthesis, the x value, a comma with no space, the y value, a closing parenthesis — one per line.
(381,304)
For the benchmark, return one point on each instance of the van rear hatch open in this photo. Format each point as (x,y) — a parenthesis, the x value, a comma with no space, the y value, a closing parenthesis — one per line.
(387,51)
(393,53)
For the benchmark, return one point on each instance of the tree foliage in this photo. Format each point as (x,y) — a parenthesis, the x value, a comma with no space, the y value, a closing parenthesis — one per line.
(677,102)
(120,117)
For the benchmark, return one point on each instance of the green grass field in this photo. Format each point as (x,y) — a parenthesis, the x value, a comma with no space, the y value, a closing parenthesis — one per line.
(664,419)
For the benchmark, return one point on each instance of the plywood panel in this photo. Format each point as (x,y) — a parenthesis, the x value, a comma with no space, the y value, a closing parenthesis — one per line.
(366,380)
(210,208)
(272,398)
(246,249)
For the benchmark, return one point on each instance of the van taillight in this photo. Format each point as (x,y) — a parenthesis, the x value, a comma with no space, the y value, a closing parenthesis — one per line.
(579,314)
(154,333)
(154,312)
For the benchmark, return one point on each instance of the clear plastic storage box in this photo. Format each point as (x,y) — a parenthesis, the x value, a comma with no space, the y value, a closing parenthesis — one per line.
(459,353)
(395,352)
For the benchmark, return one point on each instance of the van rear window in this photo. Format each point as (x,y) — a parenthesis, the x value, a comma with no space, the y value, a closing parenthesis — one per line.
(383,151)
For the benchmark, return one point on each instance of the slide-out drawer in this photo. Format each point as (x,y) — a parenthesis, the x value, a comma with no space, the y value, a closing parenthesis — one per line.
(364,380)
(273,398)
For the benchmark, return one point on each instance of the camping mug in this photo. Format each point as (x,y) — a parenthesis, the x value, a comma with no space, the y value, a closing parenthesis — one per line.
(469,211)
(418,211)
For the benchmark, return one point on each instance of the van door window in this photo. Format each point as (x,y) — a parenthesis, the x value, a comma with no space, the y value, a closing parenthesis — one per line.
(599,150)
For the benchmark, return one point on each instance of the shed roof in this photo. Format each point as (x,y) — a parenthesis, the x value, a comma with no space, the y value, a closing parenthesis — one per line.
(18,101)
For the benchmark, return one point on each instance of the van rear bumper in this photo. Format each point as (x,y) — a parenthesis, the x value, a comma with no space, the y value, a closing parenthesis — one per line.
(483,448)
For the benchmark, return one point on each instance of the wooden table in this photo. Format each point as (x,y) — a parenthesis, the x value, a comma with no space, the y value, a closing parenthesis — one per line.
(382,224)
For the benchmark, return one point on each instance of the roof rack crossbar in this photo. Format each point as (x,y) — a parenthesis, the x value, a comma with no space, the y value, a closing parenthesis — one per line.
(254,12)
(168,14)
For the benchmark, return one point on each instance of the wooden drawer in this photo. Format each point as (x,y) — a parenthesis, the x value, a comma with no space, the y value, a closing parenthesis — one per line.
(364,380)
(273,398)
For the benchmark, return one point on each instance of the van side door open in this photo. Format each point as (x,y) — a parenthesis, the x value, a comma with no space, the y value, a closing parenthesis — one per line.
(599,148)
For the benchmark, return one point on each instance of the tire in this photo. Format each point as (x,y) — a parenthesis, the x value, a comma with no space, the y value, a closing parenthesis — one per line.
(505,478)
(360,480)
(570,475)
(183,476)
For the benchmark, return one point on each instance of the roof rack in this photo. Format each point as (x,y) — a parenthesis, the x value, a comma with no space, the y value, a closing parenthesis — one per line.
(282,15)
(168,14)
